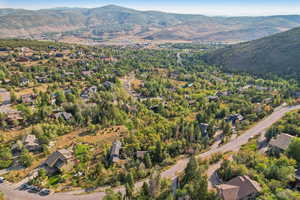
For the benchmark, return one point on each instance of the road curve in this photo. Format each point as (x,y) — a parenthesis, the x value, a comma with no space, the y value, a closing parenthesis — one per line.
(11,192)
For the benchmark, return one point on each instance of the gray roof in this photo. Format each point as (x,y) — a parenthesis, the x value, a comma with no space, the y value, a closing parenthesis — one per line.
(115,149)
(282,141)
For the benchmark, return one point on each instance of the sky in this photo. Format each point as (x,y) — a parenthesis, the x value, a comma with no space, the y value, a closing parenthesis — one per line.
(205,7)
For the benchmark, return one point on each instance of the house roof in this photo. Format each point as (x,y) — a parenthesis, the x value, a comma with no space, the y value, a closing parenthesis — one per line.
(29,139)
(229,192)
(238,188)
(282,141)
(62,154)
(115,150)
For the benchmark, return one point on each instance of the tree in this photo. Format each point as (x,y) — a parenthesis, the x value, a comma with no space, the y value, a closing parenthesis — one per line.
(190,170)
(294,149)
(148,161)
(26,159)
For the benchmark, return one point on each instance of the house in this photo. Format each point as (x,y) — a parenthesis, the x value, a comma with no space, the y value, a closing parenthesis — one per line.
(30,142)
(86,73)
(213,98)
(13,118)
(59,55)
(22,59)
(221,94)
(88,92)
(66,116)
(203,127)
(297,94)
(108,84)
(58,161)
(115,151)
(24,81)
(281,142)
(40,79)
(141,154)
(27,98)
(234,118)
(239,188)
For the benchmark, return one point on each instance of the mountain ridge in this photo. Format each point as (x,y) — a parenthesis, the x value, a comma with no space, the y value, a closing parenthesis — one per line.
(112,22)
(276,54)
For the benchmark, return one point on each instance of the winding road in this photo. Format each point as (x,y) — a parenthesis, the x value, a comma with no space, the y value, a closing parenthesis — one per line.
(12,193)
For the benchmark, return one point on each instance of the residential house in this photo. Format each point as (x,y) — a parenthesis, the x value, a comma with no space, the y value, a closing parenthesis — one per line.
(221,94)
(239,188)
(24,82)
(58,161)
(86,73)
(115,151)
(22,59)
(213,98)
(297,94)
(141,154)
(88,92)
(281,142)
(27,98)
(30,142)
(203,127)
(59,55)
(234,118)
(64,115)
(41,79)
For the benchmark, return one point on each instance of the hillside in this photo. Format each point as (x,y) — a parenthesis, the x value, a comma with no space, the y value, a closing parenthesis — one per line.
(113,23)
(278,54)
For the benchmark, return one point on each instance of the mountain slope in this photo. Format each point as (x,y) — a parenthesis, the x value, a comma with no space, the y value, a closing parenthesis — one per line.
(113,22)
(278,53)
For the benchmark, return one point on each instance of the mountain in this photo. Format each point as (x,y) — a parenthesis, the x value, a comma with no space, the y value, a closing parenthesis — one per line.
(118,23)
(278,53)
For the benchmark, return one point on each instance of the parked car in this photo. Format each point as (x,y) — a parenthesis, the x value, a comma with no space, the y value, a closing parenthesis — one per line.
(25,186)
(45,192)
(2,179)
(34,189)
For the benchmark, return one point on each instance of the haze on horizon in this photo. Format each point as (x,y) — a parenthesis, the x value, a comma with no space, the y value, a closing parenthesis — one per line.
(205,7)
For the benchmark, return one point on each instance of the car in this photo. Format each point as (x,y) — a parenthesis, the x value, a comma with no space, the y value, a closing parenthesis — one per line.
(45,192)
(34,189)
(2,179)
(25,186)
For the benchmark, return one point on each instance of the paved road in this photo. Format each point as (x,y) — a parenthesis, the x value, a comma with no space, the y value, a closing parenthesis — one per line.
(12,193)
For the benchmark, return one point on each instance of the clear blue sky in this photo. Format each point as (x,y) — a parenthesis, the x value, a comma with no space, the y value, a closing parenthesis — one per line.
(207,7)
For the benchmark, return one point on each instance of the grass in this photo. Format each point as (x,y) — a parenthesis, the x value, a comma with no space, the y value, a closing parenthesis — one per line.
(2,196)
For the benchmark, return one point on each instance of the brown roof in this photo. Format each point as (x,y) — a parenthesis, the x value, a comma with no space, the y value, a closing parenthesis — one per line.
(282,141)
(63,155)
(239,188)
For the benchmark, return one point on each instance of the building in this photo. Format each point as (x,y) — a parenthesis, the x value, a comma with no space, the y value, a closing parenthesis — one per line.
(213,98)
(239,188)
(30,142)
(203,127)
(115,151)
(234,118)
(141,154)
(24,81)
(58,161)
(66,116)
(281,142)
(88,92)
(27,98)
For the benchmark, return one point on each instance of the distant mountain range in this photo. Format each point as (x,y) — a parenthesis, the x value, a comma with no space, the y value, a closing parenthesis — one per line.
(118,23)
(278,53)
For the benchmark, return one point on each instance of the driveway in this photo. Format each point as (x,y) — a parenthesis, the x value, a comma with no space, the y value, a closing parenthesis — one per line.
(12,193)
